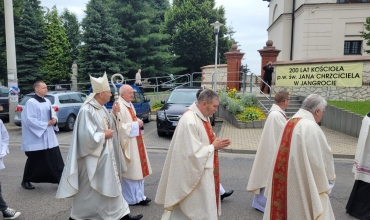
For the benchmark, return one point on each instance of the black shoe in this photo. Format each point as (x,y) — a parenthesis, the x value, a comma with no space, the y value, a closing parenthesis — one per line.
(132,217)
(27,185)
(227,194)
(10,214)
(144,202)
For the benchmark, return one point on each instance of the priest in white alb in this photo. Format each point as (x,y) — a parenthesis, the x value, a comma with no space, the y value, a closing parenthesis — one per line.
(94,161)
(190,181)
(303,174)
(267,146)
(132,143)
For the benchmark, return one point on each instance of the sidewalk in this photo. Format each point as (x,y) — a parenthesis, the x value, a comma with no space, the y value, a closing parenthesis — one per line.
(246,140)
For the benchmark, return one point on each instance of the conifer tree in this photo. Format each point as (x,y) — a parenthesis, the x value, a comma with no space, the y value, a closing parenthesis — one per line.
(72,27)
(192,39)
(147,48)
(30,49)
(103,48)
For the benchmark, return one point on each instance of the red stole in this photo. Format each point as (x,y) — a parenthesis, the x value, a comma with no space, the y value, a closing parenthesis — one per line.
(216,167)
(141,148)
(280,174)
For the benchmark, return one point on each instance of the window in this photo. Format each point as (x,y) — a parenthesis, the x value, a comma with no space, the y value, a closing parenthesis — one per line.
(75,98)
(352,47)
(136,98)
(63,99)
(4,92)
(83,97)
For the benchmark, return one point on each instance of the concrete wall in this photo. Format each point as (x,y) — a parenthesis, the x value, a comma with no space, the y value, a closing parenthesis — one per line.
(207,72)
(342,121)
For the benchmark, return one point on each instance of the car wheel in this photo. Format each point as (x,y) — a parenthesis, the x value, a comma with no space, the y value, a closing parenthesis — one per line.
(161,134)
(70,123)
(149,117)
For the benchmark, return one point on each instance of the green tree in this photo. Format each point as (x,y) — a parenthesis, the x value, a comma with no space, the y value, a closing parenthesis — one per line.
(17,6)
(57,63)
(72,27)
(366,35)
(30,49)
(141,22)
(103,48)
(192,39)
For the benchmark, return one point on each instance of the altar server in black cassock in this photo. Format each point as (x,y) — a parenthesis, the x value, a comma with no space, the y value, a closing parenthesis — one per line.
(39,123)
(359,201)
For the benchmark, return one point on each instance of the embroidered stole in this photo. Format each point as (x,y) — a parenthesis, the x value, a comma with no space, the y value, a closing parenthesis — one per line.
(216,167)
(280,174)
(140,146)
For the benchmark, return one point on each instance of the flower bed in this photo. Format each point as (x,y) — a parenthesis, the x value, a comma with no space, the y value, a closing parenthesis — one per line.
(241,109)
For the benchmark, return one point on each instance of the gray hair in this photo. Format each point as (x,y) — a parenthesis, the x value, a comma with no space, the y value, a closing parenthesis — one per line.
(207,95)
(313,102)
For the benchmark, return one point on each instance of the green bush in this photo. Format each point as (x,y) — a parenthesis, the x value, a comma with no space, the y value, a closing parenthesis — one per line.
(249,115)
(157,104)
(248,100)
(234,106)
(224,98)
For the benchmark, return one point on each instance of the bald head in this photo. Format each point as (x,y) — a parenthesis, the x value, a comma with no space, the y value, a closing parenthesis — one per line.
(126,92)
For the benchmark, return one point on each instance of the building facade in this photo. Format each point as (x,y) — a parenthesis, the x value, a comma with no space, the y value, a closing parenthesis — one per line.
(311,29)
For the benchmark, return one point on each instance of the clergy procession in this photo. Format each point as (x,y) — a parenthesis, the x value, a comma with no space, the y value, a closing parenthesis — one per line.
(104,172)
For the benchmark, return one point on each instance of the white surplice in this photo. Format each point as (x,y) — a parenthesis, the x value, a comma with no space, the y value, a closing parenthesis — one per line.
(310,169)
(187,186)
(4,144)
(36,134)
(361,166)
(263,161)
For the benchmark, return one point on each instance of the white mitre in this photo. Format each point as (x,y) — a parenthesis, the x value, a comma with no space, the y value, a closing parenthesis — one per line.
(98,85)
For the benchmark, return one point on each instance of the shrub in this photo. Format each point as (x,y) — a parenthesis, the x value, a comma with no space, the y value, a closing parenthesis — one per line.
(234,106)
(157,105)
(248,100)
(251,114)
(224,98)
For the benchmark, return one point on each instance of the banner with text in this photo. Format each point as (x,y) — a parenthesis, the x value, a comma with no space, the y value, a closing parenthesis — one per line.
(318,75)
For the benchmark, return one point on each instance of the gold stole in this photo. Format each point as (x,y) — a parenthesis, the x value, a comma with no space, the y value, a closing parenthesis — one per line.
(216,167)
(141,148)
(280,174)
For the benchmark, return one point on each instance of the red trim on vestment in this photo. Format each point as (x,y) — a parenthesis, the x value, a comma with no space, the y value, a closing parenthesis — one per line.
(141,147)
(280,174)
(216,166)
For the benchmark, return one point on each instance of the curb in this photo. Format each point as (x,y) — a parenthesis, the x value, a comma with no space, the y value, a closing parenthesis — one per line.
(241,151)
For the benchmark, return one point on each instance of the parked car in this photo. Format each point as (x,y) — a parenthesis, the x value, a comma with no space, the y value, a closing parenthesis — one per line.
(4,102)
(141,104)
(178,101)
(66,104)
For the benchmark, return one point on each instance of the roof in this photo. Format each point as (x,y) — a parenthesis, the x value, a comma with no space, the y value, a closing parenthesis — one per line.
(187,88)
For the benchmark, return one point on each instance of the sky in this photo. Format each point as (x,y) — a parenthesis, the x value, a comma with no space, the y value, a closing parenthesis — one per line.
(249,18)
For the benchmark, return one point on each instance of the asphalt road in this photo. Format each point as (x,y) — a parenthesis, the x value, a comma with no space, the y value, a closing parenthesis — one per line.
(40,203)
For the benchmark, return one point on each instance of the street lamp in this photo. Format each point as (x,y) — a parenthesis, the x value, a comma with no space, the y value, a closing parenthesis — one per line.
(216,27)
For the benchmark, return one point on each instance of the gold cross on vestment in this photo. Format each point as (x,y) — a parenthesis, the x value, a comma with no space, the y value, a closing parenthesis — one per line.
(279,204)
(280,176)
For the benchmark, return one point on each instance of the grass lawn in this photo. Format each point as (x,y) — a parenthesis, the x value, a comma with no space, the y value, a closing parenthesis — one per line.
(359,107)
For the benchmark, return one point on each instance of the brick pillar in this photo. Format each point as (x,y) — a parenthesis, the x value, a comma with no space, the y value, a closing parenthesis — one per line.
(234,61)
(268,53)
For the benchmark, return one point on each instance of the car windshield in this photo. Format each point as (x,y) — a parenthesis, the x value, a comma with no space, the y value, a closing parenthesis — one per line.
(4,92)
(182,97)
(25,99)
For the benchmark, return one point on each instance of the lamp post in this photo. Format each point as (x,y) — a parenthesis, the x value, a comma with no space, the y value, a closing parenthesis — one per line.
(10,57)
(216,27)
